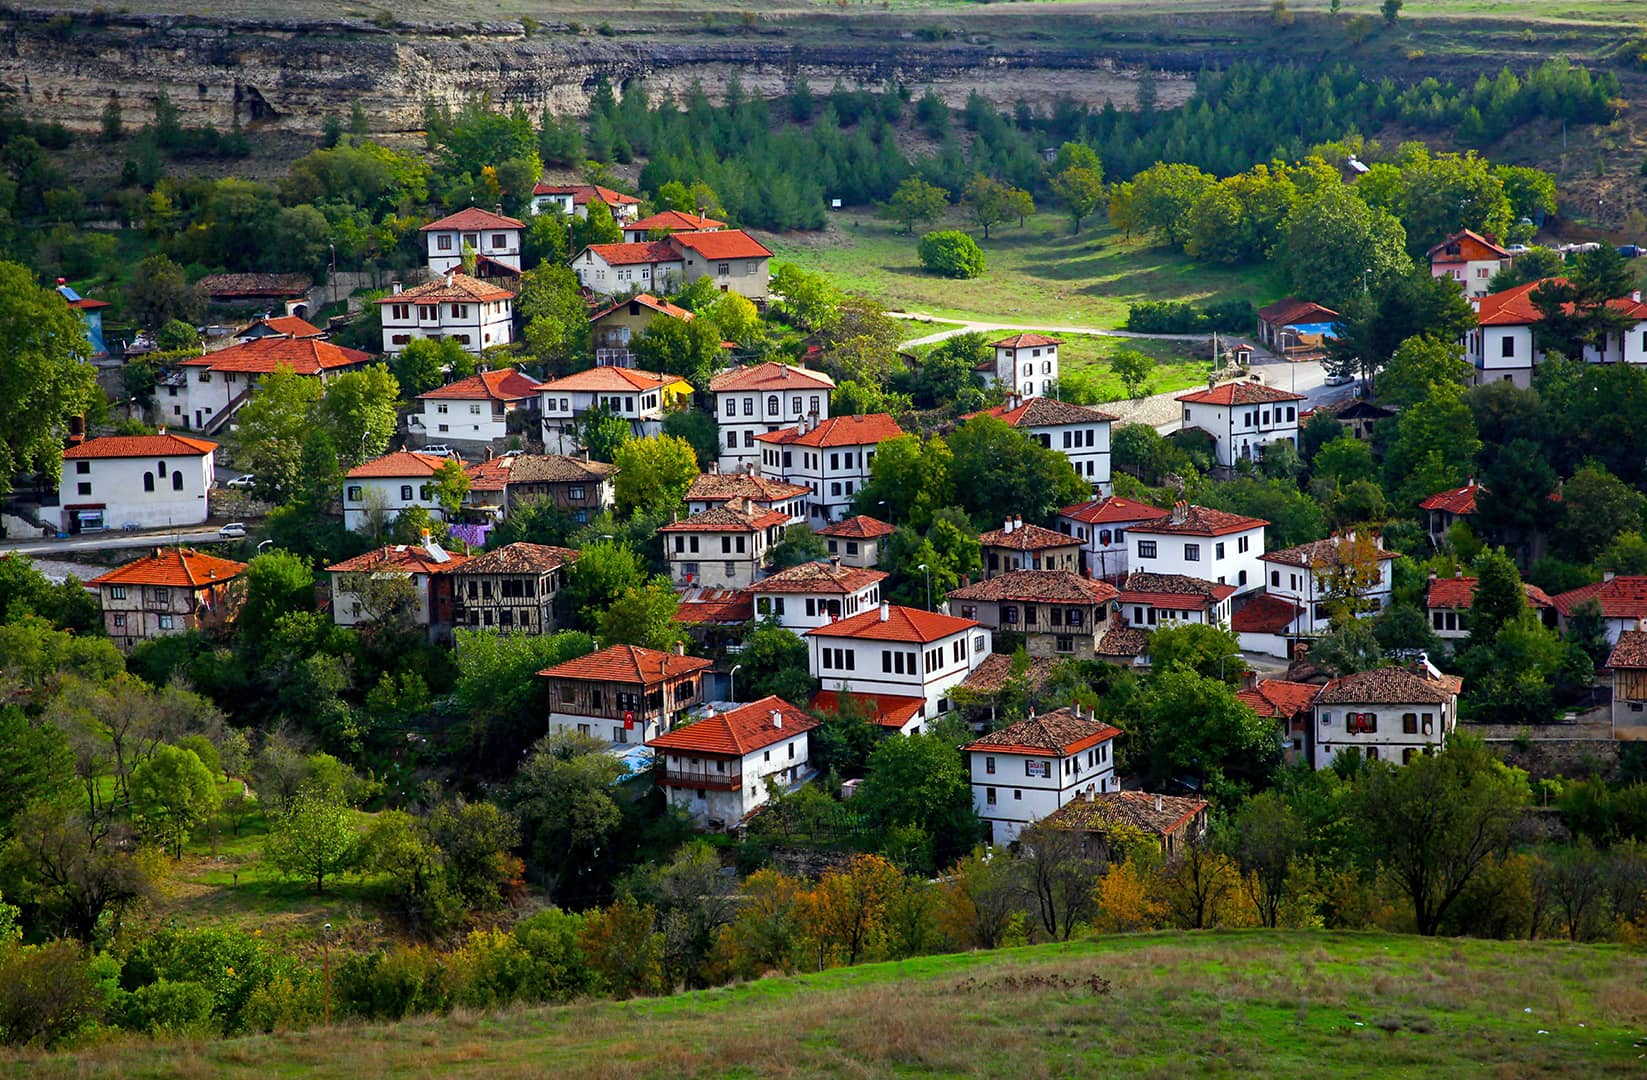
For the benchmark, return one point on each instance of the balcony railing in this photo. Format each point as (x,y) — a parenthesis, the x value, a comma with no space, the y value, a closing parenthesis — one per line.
(694,777)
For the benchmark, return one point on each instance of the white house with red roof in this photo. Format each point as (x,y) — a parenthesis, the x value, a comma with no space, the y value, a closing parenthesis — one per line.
(813,594)
(490,236)
(476,314)
(717,768)
(210,389)
(1469,259)
(573,200)
(1242,417)
(624,695)
(831,458)
(614,328)
(1447,601)
(1628,666)
(856,540)
(1308,575)
(168,591)
(1198,541)
(1445,508)
(1148,600)
(1290,705)
(1058,612)
(147,480)
(1025,364)
(1502,348)
(668,221)
(1390,714)
(1101,526)
(763,398)
(1622,599)
(731,258)
(428,567)
(474,412)
(712,489)
(1016,546)
(376,492)
(724,547)
(1026,771)
(898,652)
(615,269)
(640,397)
(1079,433)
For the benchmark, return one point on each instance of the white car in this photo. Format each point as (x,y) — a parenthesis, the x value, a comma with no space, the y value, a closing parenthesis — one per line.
(1339,380)
(244,480)
(439,450)
(234,530)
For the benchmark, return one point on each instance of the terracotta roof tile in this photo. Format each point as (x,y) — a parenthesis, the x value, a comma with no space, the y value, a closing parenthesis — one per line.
(995,669)
(403,558)
(610,377)
(1471,245)
(703,606)
(1175,592)
(556,469)
(505,384)
(739,516)
(473,217)
(646,300)
(306,356)
(1265,614)
(1631,650)
(1060,732)
(1278,698)
(901,624)
(1027,538)
(398,464)
(1386,686)
(1045,412)
(1315,555)
(724,244)
(891,710)
(454,286)
(1111,510)
(1133,808)
(1200,521)
(859,527)
(582,193)
(1624,597)
(771,376)
(674,221)
(723,487)
(1038,586)
(178,567)
(1292,309)
(519,558)
(1239,393)
(254,286)
(1025,341)
(740,731)
(630,665)
(1458,501)
(641,253)
(1123,642)
(820,578)
(140,446)
(290,325)
(1459,593)
(870,429)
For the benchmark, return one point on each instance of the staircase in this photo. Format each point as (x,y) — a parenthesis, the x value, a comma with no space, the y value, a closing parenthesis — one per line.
(215,424)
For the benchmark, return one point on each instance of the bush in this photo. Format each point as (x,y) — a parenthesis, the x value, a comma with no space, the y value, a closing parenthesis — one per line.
(46,994)
(1178,317)
(171,1007)
(951,253)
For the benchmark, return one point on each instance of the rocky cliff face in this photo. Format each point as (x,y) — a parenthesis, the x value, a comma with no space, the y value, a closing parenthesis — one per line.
(290,75)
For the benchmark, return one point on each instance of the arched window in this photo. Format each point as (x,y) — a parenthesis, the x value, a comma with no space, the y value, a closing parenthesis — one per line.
(772,404)
(160,468)
(1103,537)
(148,481)
(177,480)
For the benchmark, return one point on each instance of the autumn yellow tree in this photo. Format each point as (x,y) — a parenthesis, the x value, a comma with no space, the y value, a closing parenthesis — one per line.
(1353,572)
(1125,899)
(1201,888)
(980,896)
(624,948)
(846,912)
(766,934)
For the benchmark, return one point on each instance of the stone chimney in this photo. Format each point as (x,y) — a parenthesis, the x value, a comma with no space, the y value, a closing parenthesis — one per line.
(1432,575)
(680,648)
(1606,575)
(835,562)
(1017,522)
(451,277)
(1006,526)
(160,430)
(785,369)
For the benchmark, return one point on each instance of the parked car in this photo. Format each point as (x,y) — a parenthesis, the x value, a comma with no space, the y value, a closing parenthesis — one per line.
(1342,379)
(1632,251)
(439,450)
(244,480)
(130,526)
(512,453)
(1518,249)
(234,530)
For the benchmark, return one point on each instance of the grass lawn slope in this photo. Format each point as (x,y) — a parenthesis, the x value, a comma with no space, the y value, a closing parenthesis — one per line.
(1250,1003)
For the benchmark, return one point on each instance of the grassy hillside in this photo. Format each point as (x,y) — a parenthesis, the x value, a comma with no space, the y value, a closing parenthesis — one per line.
(1269,1003)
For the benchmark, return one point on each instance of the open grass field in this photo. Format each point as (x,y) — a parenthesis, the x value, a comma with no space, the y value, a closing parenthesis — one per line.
(1239,1003)
(1178,364)
(1040,273)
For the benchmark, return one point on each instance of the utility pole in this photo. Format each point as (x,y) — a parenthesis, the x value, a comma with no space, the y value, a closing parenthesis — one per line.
(326,954)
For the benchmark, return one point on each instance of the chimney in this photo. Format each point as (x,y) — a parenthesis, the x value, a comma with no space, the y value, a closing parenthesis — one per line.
(497,208)
(451,276)
(154,552)
(1606,575)
(1158,804)
(1432,575)
(709,712)
(680,648)
(395,287)
(1458,572)
(785,375)
(835,562)
(886,611)
(1017,522)
(1249,680)
(777,719)
(161,430)
(714,468)
(1180,512)
(1635,296)
(1006,526)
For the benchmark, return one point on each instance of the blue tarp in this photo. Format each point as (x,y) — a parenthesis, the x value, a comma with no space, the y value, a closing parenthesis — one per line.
(1320,329)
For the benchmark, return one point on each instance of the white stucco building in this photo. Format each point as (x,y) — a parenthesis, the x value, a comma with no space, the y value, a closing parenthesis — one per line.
(490,236)
(474,412)
(376,491)
(573,200)
(1390,714)
(1148,600)
(1025,364)
(731,258)
(640,397)
(1470,260)
(716,768)
(1503,347)
(208,390)
(856,540)
(1025,771)
(1079,433)
(900,652)
(715,488)
(1198,541)
(815,594)
(1242,418)
(831,458)
(615,269)
(763,398)
(427,566)
(476,314)
(145,480)
(1308,574)
(1101,526)
(723,547)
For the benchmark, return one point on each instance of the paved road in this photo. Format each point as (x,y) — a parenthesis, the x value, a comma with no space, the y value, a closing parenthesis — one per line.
(108,541)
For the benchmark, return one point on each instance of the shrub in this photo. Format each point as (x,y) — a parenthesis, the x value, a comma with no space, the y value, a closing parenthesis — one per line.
(46,994)
(172,1007)
(951,253)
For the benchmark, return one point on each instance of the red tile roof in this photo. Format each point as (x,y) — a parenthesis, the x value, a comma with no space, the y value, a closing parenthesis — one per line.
(630,665)
(1111,510)
(519,558)
(741,516)
(398,464)
(860,527)
(674,221)
(1061,732)
(403,558)
(1278,698)
(140,446)
(473,217)
(1027,538)
(1123,641)
(505,384)
(1624,597)
(178,567)
(608,377)
(901,624)
(1025,341)
(1200,521)
(1388,686)
(1515,307)
(1045,412)
(867,430)
(290,325)
(722,487)
(1038,586)
(646,300)
(1631,650)
(771,376)
(1265,614)
(644,252)
(702,606)
(994,670)
(725,244)
(741,731)
(1316,555)
(1459,593)
(456,286)
(1137,809)
(818,577)
(891,710)
(1239,393)
(1292,310)
(1470,246)
(1458,501)
(1173,592)
(582,193)
(306,356)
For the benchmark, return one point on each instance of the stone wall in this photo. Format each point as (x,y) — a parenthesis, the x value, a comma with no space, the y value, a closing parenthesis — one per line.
(1549,758)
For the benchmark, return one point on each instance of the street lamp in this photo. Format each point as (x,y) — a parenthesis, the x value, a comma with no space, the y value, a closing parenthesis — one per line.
(261,544)
(928,572)
(333,248)
(732,683)
(888,506)
(326,953)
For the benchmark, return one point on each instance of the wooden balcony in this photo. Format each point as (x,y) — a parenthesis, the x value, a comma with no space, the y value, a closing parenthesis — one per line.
(692,776)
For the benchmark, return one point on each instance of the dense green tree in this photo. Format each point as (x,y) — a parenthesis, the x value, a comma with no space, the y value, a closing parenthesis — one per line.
(910,480)
(555,317)
(1336,246)
(44,380)
(916,202)
(1210,651)
(700,429)
(799,544)
(1514,502)
(1416,365)
(1163,196)
(1596,507)
(920,781)
(642,615)
(357,409)
(563,795)
(951,253)
(691,350)
(1294,517)
(276,583)
(602,432)
(497,689)
(313,839)
(1498,599)
(172,793)
(948,375)
(428,363)
(1433,448)
(1189,725)
(997,472)
(1574,309)
(655,473)
(159,292)
(1081,190)
(774,661)
(273,424)
(603,572)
